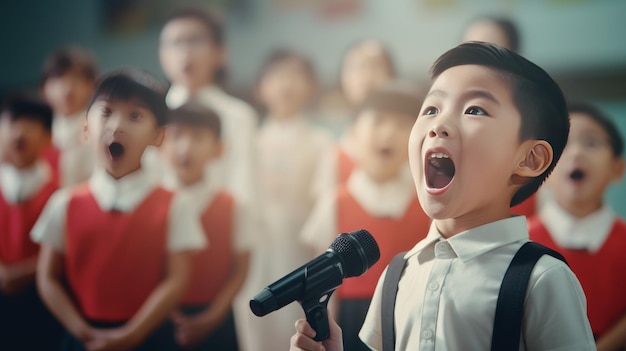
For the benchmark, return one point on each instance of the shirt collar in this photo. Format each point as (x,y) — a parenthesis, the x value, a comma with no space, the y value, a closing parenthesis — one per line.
(178,95)
(477,241)
(122,194)
(570,232)
(201,194)
(22,184)
(390,199)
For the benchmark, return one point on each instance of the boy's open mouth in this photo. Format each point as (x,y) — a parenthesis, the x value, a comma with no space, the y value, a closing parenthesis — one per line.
(577,175)
(116,150)
(439,170)
(385,152)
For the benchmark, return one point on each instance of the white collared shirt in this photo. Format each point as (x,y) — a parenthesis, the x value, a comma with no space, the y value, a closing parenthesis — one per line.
(201,195)
(569,232)
(447,295)
(290,152)
(77,160)
(18,185)
(125,194)
(391,199)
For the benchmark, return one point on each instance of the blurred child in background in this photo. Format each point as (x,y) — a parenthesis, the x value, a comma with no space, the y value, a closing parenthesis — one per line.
(193,57)
(290,147)
(67,83)
(205,320)
(580,225)
(378,197)
(26,183)
(493,29)
(367,65)
(116,250)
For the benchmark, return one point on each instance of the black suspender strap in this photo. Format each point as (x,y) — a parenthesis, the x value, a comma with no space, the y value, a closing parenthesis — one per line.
(507,323)
(390,290)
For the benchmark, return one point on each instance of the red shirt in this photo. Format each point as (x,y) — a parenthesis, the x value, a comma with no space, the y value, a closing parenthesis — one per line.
(602,274)
(16,222)
(212,266)
(114,260)
(393,236)
(527,207)
(345,165)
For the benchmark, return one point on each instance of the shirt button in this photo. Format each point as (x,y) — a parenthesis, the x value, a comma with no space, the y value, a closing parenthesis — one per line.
(427,334)
(433,286)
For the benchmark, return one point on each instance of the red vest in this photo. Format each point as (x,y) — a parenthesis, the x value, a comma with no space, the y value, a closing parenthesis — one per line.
(526,208)
(52,155)
(16,222)
(602,274)
(212,266)
(114,260)
(393,235)
(345,165)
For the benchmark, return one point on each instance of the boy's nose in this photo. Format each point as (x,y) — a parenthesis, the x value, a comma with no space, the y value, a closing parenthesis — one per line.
(439,131)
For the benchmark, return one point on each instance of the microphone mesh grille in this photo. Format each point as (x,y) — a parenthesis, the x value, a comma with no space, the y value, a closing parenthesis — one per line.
(357,250)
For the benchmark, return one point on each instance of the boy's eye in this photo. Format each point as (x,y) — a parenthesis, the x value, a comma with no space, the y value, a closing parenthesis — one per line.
(430,111)
(135,116)
(476,111)
(105,111)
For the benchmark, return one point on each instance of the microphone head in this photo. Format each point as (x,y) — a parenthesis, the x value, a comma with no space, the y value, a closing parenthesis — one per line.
(357,250)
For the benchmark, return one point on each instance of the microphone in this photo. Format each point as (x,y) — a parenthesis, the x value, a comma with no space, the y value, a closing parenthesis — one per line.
(350,255)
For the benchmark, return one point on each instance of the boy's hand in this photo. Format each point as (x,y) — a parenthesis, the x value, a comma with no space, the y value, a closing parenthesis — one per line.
(302,340)
(190,331)
(117,339)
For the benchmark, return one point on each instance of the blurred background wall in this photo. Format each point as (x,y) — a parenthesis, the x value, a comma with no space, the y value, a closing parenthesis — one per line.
(580,42)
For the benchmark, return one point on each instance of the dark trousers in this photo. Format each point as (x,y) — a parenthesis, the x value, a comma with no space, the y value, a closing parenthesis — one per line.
(223,338)
(352,313)
(161,339)
(26,323)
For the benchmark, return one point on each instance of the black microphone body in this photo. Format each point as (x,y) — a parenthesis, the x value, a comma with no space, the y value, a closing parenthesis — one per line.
(350,255)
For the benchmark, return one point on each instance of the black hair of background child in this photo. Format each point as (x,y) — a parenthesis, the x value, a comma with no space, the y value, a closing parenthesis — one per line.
(25,106)
(128,83)
(615,138)
(195,115)
(70,58)
(537,97)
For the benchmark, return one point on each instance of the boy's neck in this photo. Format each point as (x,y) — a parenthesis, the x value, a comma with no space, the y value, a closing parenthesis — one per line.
(381,179)
(581,209)
(123,174)
(190,182)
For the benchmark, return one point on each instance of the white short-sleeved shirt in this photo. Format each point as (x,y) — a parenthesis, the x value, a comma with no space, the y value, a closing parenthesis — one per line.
(447,295)
(21,184)
(389,199)
(77,160)
(125,194)
(201,195)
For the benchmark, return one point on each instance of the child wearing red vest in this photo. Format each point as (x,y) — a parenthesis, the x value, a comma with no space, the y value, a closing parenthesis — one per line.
(26,183)
(116,251)
(204,319)
(378,196)
(67,82)
(579,224)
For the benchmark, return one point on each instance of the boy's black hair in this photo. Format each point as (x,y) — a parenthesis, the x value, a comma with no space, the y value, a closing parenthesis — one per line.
(396,97)
(280,55)
(25,106)
(70,58)
(615,138)
(536,95)
(127,83)
(508,27)
(196,115)
(214,26)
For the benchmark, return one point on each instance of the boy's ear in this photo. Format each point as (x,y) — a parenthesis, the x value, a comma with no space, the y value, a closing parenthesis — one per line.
(618,169)
(219,149)
(158,137)
(537,159)
(85,130)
